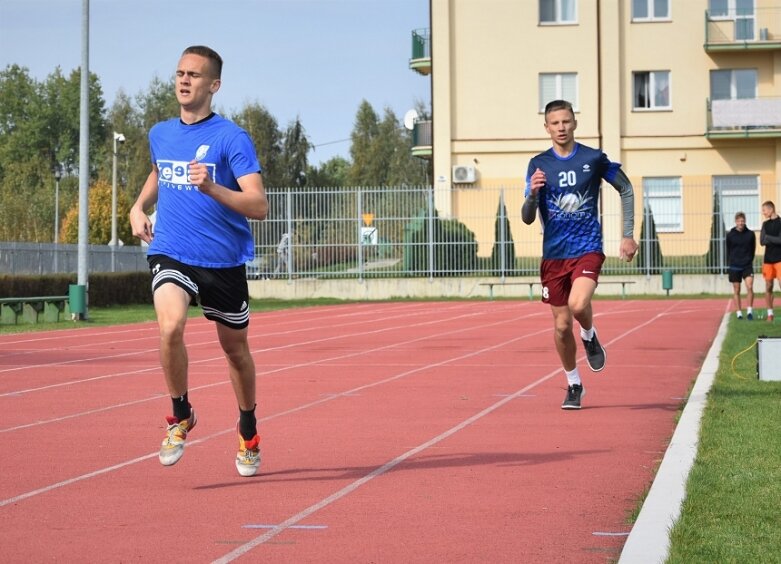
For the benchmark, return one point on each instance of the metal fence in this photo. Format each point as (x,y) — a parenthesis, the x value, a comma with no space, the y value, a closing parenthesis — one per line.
(405,232)
(393,232)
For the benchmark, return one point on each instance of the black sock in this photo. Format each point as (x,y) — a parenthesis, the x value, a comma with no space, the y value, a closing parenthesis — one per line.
(181,407)
(248,425)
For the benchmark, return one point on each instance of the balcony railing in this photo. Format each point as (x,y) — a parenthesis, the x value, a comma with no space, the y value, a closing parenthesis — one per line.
(421,51)
(421,139)
(757,117)
(743,29)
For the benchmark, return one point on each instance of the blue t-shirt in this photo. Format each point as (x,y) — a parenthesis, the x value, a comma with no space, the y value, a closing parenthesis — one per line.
(569,201)
(191,227)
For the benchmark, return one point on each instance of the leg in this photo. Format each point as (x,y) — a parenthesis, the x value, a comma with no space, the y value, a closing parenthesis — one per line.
(241,366)
(736,296)
(563,337)
(171,304)
(580,301)
(769,294)
(749,280)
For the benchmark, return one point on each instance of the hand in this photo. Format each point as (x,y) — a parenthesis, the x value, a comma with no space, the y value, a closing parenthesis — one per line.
(538,180)
(141,225)
(628,249)
(199,176)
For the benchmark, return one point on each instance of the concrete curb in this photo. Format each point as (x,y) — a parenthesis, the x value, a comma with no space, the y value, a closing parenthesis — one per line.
(649,540)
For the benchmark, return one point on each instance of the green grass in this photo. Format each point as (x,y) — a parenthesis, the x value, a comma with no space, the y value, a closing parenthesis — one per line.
(118,315)
(732,512)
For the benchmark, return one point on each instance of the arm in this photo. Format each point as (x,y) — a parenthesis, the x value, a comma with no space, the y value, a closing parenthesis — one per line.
(624,187)
(250,201)
(529,208)
(139,221)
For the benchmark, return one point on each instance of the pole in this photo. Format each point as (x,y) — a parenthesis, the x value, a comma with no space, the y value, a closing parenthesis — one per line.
(83,256)
(56,219)
(113,241)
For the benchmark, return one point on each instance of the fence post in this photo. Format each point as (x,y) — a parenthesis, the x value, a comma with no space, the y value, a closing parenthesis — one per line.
(291,239)
(359,215)
(431,235)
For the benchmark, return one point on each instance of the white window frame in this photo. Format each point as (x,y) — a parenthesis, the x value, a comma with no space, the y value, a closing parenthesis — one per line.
(669,189)
(739,186)
(652,78)
(559,89)
(652,17)
(558,11)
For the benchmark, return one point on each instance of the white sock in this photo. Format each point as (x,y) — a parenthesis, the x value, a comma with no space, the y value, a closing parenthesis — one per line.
(587,334)
(573,377)
(739,314)
(749,310)
(770,313)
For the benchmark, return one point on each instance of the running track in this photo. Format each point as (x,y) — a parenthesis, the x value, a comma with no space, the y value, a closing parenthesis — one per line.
(392,432)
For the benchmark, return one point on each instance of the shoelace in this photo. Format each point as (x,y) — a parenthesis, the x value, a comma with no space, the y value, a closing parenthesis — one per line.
(172,432)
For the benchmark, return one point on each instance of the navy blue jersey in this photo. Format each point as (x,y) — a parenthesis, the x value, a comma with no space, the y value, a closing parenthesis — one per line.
(569,201)
(191,227)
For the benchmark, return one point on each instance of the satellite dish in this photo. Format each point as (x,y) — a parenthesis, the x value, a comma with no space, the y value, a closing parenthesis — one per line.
(409,119)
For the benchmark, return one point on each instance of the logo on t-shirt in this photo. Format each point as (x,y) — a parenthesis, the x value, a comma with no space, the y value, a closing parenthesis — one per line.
(200,154)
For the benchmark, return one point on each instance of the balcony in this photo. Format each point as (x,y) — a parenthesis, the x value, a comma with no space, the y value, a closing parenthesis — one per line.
(743,29)
(421,139)
(421,51)
(746,118)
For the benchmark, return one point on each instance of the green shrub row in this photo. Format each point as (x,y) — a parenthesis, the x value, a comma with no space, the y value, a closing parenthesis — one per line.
(105,289)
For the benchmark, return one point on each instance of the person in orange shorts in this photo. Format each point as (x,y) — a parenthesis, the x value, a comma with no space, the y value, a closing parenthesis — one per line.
(770,238)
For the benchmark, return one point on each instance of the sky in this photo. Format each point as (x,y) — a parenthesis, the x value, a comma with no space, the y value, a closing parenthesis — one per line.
(312,59)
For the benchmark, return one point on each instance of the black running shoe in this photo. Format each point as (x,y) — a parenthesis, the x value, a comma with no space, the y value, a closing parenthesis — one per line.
(572,399)
(595,353)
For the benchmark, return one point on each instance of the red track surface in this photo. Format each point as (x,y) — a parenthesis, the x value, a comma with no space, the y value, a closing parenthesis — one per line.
(393,432)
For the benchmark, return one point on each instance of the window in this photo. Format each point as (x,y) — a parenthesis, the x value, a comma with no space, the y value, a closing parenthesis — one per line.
(739,193)
(649,10)
(562,86)
(733,84)
(741,11)
(663,196)
(557,11)
(651,90)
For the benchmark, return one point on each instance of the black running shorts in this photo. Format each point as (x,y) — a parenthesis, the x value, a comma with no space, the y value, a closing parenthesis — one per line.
(221,292)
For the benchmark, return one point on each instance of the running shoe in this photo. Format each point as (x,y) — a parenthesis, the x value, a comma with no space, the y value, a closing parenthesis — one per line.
(172,448)
(750,316)
(248,457)
(770,318)
(595,353)
(574,393)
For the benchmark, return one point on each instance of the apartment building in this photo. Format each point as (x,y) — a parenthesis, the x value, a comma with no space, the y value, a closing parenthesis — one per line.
(686,94)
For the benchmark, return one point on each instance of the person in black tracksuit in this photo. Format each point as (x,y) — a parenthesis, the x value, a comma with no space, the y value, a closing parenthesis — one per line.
(741,248)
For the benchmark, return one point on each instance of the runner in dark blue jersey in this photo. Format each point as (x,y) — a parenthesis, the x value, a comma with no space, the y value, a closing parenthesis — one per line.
(206,181)
(563,186)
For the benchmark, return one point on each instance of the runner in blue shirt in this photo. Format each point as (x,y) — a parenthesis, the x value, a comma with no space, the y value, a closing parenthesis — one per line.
(206,182)
(563,185)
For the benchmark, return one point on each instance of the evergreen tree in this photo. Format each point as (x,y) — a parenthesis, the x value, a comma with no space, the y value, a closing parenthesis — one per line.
(503,252)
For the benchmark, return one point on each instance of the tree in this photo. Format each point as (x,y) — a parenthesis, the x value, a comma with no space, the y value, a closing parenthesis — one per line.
(649,252)
(263,129)
(99,217)
(295,148)
(503,252)
(715,259)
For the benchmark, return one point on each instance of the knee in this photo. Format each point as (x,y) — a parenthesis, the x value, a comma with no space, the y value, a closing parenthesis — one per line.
(171,332)
(578,308)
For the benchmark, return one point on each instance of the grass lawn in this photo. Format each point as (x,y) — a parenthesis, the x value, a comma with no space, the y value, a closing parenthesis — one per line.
(732,510)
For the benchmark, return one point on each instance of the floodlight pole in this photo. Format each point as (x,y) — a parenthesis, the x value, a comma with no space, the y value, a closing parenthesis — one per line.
(118,138)
(83,249)
(57,176)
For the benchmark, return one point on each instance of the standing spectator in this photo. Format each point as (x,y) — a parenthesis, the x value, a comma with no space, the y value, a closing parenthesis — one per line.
(741,248)
(770,237)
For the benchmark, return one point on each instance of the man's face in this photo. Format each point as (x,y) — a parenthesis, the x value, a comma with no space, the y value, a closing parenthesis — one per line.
(767,212)
(560,125)
(740,223)
(194,83)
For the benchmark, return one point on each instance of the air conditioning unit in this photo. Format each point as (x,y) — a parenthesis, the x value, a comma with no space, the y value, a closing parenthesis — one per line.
(463,174)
